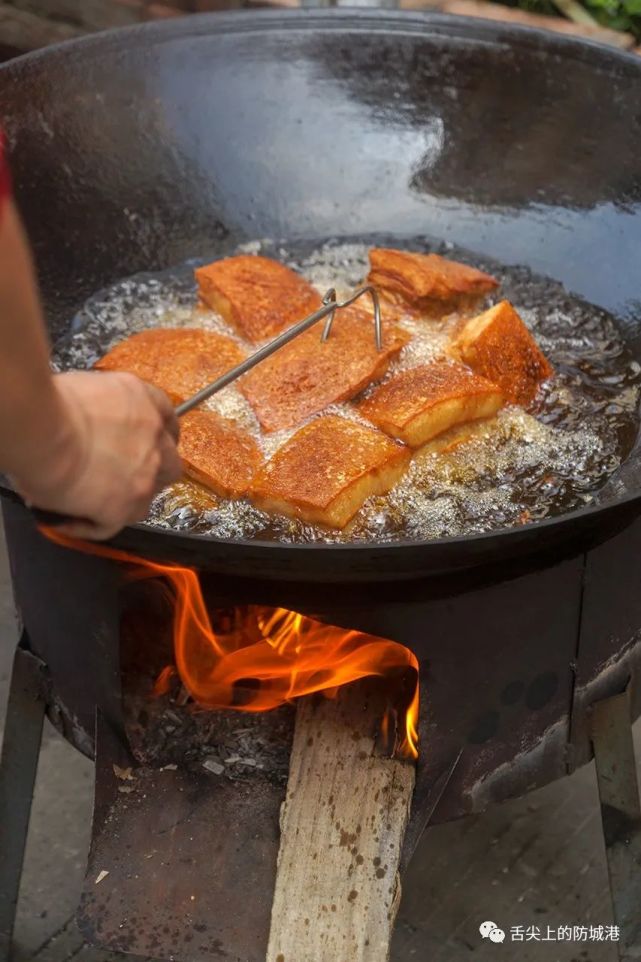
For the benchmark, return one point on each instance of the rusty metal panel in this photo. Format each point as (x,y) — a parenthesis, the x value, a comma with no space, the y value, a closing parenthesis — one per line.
(621,814)
(190,861)
(69,605)
(608,652)
(20,749)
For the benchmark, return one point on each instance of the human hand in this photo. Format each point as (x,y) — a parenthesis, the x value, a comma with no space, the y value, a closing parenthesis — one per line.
(115,450)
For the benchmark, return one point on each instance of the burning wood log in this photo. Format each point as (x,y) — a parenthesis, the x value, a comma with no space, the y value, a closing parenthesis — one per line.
(343,823)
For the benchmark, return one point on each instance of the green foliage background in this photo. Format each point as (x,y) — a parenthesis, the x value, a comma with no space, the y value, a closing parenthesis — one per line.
(618,14)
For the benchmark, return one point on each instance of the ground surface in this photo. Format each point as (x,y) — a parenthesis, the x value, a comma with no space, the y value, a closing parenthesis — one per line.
(537,861)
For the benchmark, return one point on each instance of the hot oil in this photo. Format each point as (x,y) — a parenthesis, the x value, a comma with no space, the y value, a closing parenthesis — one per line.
(517,468)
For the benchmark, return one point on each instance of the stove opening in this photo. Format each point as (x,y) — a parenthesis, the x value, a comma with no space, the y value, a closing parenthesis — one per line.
(216,686)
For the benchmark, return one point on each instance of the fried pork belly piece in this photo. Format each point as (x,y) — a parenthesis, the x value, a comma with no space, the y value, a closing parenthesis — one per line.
(427,283)
(499,346)
(450,441)
(180,361)
(307,375)
(218,454)
(188,494)
(325,472)
(422,402)
(255,295)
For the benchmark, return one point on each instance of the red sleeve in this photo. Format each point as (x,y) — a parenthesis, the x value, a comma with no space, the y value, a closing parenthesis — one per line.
(5,179)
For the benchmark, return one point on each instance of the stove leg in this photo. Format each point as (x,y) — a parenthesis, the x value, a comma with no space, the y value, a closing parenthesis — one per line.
(621,815)
(18,766)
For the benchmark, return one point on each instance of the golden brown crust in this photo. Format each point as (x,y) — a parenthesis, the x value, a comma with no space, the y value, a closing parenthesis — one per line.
(449,441)
(257,296)
(325,472)
(180,361)
(188,493)
(218,454)
(307,375)
(499,346)
(422,402)
(427,283)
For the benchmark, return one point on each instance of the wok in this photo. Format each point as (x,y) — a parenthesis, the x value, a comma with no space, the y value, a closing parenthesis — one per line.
(135,150)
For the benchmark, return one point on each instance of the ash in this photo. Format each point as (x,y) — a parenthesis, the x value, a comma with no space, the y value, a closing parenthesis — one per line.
(515,469)
(226,744)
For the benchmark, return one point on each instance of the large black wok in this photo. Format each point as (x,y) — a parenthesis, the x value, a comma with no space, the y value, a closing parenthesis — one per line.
(138,149)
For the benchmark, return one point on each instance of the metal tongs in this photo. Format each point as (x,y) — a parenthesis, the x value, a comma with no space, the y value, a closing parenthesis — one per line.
(328,310)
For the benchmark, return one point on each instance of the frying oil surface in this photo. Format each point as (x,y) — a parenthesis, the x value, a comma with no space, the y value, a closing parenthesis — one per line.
(517,468)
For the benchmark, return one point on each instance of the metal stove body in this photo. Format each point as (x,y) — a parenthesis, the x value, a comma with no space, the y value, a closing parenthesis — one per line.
(510,659)
(512,662)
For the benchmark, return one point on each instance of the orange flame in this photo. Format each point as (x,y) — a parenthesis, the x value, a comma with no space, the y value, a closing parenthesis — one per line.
(270,657)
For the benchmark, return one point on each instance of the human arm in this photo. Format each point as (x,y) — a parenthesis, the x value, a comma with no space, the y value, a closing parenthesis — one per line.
(95,446)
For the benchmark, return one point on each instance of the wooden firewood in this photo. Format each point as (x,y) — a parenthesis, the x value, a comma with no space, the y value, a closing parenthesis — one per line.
(342,828)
